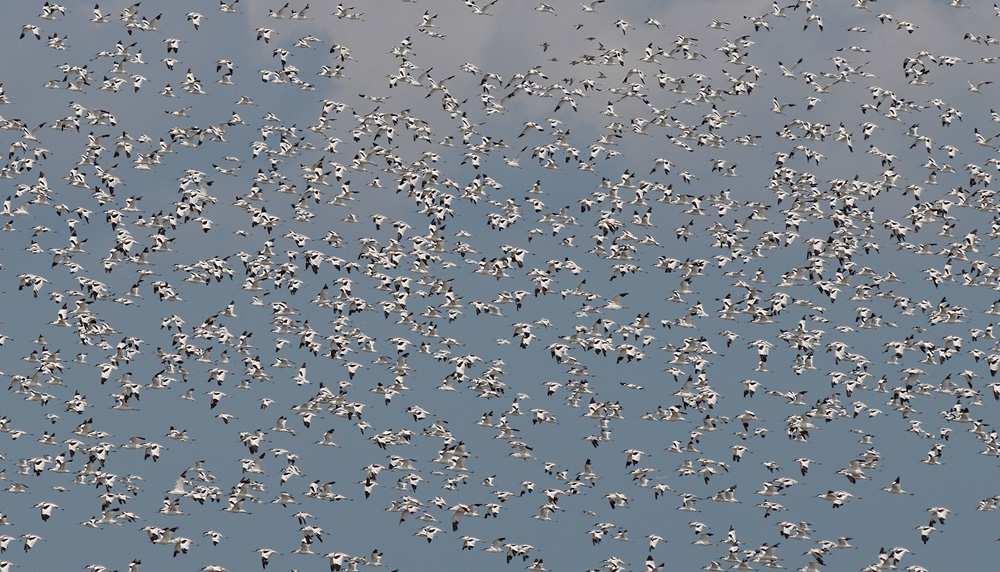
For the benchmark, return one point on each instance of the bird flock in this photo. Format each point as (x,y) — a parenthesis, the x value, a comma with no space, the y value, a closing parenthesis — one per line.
(498,284)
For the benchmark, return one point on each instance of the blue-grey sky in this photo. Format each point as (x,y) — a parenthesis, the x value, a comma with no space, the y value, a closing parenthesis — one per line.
(860,66)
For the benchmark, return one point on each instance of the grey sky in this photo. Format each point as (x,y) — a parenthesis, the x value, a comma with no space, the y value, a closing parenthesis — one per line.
(505,43)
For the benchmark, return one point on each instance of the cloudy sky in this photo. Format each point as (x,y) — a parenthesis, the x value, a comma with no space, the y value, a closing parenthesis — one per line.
(507,42)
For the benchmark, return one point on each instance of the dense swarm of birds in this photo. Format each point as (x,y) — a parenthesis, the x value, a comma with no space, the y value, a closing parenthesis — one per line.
(306,286)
